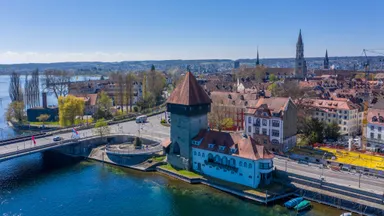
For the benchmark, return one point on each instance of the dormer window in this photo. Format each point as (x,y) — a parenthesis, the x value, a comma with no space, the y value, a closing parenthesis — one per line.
(211,146)
(221,148)
(381,119)
(374,119)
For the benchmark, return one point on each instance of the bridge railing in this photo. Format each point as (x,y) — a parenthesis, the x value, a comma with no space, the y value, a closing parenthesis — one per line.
(144,150)
(29,147)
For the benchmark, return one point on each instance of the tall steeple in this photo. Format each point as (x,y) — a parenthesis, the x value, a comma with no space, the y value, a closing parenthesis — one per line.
(326,60)
(257,58)
(300,39)
(300,63)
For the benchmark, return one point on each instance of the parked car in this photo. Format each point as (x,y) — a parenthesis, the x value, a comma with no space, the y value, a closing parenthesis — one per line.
(57,138)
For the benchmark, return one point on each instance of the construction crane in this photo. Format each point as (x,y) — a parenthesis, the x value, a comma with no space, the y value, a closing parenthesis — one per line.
(366,96)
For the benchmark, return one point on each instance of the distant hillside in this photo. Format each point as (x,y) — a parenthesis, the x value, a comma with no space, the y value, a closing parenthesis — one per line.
(203,66)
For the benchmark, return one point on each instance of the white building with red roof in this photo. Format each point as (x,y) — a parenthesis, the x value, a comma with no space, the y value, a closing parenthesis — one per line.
(274,119)
(232,157)
(347,115)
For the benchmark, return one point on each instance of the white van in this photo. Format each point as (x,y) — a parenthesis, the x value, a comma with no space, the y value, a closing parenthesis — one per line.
(141,119)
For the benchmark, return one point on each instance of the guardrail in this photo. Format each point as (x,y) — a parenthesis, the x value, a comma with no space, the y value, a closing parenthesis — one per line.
(38,147)
(152,150)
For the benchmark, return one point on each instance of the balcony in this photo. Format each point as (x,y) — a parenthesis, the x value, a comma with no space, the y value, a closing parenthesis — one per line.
(222,166)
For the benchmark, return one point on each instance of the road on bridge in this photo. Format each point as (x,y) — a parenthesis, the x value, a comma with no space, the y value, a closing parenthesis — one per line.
(151,129)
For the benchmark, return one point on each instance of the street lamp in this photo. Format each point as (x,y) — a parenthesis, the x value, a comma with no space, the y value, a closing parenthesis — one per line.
(322,169)
(359,178)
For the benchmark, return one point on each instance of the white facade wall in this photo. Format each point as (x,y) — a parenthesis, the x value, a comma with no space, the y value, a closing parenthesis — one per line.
(248,173)
(375,135)
(275,132)
(349,121)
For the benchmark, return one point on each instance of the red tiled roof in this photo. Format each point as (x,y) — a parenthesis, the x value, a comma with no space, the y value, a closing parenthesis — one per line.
(246,147)
(189,92)
(329,104)
(273,104)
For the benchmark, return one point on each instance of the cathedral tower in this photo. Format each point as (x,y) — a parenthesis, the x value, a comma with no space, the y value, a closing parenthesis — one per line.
(300,63)
(326,60)
(257,58)
(188,105)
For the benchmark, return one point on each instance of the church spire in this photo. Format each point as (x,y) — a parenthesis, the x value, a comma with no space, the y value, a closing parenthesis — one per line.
(300,39)
(326,60)
(257,58)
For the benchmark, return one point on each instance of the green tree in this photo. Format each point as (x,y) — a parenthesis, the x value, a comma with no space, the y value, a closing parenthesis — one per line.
(43,118)
(69,108)
(101,128)
(16,111)
(104,104)
(313,129)
(332,131)
(274,89)
(273,78)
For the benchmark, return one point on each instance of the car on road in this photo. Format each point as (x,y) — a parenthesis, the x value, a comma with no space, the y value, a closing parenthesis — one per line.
(57,138)
(141,119)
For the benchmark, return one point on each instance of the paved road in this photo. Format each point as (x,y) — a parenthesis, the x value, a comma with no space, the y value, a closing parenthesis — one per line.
(367,183)
(151,129)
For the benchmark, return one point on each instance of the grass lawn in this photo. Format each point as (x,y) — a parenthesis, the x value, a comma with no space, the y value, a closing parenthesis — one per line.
(159,158)
(181,172)
(45,123)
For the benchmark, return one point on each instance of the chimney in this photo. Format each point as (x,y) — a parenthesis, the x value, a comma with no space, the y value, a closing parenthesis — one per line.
(44,94)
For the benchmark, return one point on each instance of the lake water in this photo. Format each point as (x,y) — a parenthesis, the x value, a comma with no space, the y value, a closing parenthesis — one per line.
(58,185)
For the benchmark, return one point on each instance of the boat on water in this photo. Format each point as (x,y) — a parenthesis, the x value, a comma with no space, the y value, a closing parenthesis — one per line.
(293,202)
(346,214)
(303,205)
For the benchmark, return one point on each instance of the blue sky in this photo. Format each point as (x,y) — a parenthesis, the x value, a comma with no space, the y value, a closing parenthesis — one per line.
(116,30)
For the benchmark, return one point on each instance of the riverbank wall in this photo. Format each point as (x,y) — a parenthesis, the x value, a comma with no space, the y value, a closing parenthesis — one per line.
(346,199)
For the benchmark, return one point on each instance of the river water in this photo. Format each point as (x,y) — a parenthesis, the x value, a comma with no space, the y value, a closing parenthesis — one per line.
(46,184)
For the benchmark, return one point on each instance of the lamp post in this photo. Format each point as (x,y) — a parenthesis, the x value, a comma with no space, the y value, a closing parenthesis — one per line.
(359,178)
(322,169)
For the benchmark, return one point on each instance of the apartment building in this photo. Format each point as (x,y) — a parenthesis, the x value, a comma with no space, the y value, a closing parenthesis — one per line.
(347,115)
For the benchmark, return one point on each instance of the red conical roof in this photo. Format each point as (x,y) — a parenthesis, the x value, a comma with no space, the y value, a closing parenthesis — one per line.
(189,92)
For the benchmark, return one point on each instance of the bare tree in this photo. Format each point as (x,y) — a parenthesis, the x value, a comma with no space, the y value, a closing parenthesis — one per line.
(129,91)
(219,118)
(57,81)
(15,89)
(32,90)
